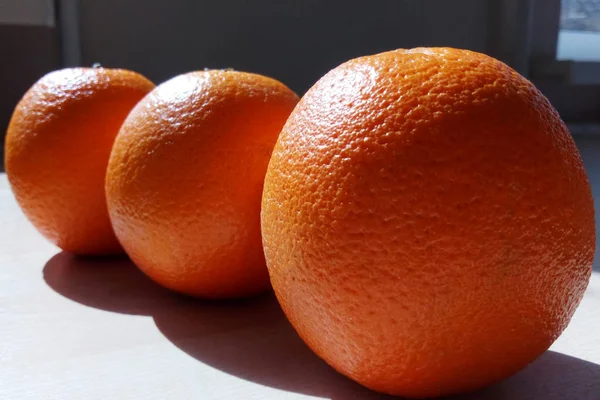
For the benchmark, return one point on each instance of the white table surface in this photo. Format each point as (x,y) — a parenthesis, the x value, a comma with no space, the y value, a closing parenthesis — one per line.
(89,329)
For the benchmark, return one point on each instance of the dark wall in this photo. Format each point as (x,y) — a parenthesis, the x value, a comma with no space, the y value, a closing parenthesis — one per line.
(295,42)
(28,52)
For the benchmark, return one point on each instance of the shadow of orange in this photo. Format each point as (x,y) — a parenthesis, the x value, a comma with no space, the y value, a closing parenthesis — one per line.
(107,283)
(253,340)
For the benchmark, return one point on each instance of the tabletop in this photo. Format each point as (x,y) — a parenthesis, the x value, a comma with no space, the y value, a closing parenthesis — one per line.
(96,328)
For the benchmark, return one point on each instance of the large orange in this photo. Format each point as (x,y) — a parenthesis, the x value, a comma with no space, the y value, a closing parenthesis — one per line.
(427,222)
(57,148)
(185,179)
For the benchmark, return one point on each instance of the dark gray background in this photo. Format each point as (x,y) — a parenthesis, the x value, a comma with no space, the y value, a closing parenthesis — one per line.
(293,41)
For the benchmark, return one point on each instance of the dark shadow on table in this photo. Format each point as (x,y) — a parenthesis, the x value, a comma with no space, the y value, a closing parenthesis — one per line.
(249,338)
(107,283)
(252,339)
(553,376)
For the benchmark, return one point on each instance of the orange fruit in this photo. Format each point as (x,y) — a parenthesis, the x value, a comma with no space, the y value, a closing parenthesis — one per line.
(57,148)
(427,222)
(185,179)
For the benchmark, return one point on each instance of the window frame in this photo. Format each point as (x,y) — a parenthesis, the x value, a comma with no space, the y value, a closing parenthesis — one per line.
(544,63)
(572,86)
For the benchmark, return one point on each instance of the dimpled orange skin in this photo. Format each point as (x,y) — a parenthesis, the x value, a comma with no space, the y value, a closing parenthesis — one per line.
(57,148)
(185,179)
(427,221)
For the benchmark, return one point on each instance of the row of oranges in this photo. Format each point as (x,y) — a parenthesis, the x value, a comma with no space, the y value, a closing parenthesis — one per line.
(426,220)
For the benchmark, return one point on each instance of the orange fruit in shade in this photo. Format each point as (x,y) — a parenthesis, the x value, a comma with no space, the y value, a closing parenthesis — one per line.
(427,221)
(56,152)
(185,179)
